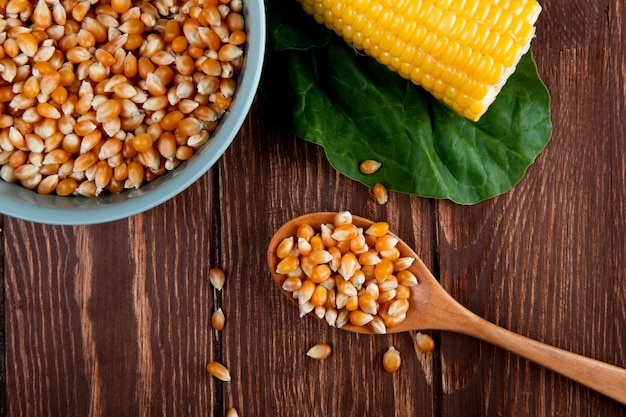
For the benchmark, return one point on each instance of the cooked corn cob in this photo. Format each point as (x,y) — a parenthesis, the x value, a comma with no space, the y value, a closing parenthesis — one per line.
(461,51)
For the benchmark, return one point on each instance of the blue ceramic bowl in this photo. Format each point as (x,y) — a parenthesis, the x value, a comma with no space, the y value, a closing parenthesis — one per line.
(19,202)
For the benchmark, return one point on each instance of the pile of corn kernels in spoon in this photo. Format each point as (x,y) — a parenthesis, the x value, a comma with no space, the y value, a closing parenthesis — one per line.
(342,273)
(102,96)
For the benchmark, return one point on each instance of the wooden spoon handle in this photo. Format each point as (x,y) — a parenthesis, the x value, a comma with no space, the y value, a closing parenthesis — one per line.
(602,377)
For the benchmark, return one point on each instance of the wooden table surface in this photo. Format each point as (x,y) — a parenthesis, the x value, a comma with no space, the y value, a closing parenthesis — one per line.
(114,319)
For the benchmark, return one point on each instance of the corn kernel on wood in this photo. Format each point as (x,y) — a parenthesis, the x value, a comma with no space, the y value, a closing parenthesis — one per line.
(391,360)
(217,277)
(380,193)
(461,51)
(76,68)
(219,371)
(319,351)
(218,319)
(424,342)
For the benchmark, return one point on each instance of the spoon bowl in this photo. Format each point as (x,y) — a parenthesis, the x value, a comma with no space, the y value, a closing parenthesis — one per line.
(431,307)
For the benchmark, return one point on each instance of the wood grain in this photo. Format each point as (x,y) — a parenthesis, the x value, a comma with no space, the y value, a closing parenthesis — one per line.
(114,320)
(105,318)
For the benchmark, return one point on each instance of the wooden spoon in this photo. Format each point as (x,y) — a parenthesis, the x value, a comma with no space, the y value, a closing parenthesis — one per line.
(431,307)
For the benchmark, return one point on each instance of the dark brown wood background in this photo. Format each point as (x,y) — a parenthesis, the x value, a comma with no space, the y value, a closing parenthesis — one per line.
(114,320)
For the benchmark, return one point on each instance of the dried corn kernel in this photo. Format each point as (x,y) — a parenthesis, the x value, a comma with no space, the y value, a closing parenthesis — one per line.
(378,325)
(303,247)
(320,295)
(217,277)
(393,321)
(346,231)
(305,231)
(317,242)
(219,371)
(385,242)
(378,229)
(285,247)
(320,273)
(369,258)
(380,193)
(367,303)
(383,269)
(305,308)
(360,318)
(321,256)
(341,218)
(218,319)
(369,166)
(403,292)
(398,307)
(352,303)
(292,284)
(391,360)
(348,266)
(319,351)
(403,263)
(287,265)
(306,291)
(424,342)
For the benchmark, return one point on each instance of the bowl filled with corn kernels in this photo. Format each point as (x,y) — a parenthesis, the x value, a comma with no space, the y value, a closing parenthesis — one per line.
(110,108)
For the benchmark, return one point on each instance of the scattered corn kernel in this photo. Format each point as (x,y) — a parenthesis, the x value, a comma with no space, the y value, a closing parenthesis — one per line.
(218,319)
(218,370)
(369,166)
(217,277)
(425,343)
(319,351)
(232,412)
(391,360)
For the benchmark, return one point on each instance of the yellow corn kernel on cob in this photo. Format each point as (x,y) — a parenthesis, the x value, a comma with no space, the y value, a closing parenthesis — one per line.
(461,51)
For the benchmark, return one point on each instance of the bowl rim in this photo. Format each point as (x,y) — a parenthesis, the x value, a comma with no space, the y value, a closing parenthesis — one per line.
(30,206)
